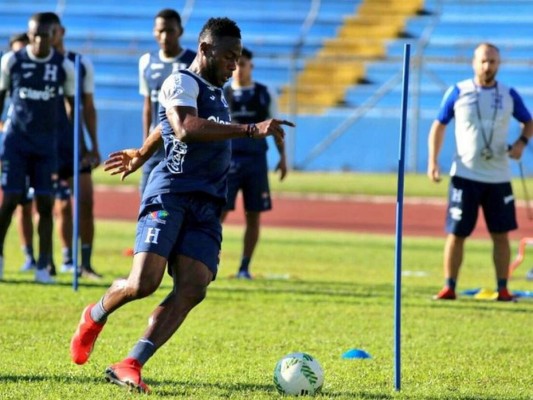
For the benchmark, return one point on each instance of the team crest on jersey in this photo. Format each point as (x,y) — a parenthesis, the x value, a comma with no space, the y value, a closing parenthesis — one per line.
(159,216)
(177,156)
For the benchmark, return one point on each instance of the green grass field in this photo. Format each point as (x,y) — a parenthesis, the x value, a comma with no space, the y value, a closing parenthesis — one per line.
(341,183)
(322,293)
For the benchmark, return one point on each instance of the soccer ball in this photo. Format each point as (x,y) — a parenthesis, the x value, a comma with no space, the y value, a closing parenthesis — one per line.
(298,374)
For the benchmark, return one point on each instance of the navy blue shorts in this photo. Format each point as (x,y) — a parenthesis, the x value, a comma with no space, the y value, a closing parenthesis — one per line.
(22,169)
(249,175)
(186,224)
(466,196)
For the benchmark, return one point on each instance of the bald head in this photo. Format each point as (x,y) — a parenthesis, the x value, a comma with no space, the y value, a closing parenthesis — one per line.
(485,63)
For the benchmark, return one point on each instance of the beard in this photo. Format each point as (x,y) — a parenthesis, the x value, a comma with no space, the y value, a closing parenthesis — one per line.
(488,78)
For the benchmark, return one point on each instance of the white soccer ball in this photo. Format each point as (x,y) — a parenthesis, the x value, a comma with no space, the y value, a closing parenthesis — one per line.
(298,374)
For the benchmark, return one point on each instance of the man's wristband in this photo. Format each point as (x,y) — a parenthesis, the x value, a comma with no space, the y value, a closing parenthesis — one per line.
(251,129)
(524,139)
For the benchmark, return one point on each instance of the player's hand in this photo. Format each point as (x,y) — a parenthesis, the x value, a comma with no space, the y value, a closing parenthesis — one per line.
(124,162)
(434,172)
(282,168)
(272,127)
(515,151)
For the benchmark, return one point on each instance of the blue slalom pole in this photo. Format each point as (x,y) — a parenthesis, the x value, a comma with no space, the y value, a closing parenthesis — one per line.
(75,200)
(399,224)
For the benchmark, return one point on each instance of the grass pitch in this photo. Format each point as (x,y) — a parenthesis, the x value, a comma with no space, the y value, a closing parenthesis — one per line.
(319,292)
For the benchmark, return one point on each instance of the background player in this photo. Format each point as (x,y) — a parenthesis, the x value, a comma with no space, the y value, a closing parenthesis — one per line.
(154,68)
(36,77)
(89,159)
(250,102)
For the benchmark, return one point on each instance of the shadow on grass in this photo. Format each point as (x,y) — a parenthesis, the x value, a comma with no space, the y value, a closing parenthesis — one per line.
(81,283)
(168,388)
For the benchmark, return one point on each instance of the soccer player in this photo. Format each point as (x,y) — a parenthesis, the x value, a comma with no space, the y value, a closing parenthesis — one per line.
(480,173)
(179,219)
(25,208)
(250,102)
(89,159)
(37,78)
(154,68)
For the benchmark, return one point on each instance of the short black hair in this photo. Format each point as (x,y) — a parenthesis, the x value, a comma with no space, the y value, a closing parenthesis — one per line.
(219,27)
(18,37)
(46,18)
(247,53)
(169,13)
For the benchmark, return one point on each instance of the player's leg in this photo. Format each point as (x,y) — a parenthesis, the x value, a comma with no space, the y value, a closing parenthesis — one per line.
(86,224)
(7,208)
(500,215)
(44,204)
(25,230)
(14,172)
(461,217)
(145,277)
(157,232)
(256,198)
(191,279)
(63,213)
(198,248)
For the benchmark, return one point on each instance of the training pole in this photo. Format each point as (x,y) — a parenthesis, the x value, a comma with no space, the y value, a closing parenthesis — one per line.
(526,194)
(76,170)
(399,225)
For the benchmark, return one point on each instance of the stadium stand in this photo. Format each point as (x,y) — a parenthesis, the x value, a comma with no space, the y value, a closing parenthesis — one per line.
(352,48)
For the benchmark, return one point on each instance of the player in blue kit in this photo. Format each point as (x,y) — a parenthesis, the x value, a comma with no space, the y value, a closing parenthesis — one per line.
(89,159)
(250,102)
(179,219)
(154,68)
(480,173)
(37,79)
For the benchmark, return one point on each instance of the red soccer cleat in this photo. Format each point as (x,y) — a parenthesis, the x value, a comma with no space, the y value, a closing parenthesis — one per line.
(505,295)
(82,343)
(445,294)
(127,373)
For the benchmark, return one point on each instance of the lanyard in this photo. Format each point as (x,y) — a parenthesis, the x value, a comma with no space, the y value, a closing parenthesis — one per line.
(486,140)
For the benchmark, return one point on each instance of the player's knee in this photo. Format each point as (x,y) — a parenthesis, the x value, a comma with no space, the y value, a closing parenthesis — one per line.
(192,294)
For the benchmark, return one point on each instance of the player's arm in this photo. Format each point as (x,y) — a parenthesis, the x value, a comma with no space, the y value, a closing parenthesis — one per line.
(89,113)
(282,163)
(437,130)
(5,80)
(89,118)
(179,95)
(435,140)
(522,114)
(144,90)
(127,161)
(147,116)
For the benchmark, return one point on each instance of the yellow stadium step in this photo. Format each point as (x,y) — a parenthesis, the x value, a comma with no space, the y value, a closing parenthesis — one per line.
(323,81)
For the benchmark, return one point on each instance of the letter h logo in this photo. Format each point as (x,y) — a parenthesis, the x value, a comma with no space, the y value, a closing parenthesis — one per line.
(50,72)
(152,235)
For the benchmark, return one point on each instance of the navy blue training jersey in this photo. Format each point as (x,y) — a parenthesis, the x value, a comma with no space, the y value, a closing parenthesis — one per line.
(194,166)
(249,105)
(36,88)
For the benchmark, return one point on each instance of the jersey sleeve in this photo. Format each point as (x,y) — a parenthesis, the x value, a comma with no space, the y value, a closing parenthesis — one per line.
(88,79)
(143,85)
(520,111)
(69,84)
(6,63)
(179,89)
(446,112)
